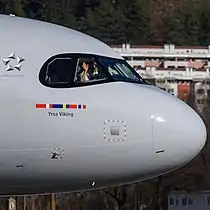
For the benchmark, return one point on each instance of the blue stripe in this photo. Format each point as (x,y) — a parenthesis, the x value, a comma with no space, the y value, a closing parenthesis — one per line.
(79,106)
(57,105)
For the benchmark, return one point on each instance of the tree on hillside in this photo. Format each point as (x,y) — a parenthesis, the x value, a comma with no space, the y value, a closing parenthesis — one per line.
(136,21)
(106,23)
(4,7)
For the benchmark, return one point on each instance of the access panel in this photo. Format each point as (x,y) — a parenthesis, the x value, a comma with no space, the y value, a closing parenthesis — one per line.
(115,130)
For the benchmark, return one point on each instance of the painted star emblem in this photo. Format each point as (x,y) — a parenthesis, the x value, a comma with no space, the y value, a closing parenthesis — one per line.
(13,62)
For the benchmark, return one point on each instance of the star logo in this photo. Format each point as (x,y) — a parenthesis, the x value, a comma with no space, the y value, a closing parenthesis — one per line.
(13,62)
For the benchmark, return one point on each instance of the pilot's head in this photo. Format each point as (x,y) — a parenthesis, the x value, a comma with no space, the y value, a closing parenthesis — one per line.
(85,66)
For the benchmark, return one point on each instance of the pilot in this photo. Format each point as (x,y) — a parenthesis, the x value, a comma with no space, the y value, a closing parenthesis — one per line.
(85,75)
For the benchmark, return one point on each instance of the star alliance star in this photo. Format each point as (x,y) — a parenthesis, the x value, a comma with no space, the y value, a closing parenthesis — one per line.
(17,66)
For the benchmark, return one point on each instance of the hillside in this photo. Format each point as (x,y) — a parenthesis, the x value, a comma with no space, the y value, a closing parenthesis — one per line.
(182,22)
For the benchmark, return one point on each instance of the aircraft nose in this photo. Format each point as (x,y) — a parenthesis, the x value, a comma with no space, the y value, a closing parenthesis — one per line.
(179,133)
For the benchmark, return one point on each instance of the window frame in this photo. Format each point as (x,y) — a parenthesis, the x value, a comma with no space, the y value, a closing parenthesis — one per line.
(72,83)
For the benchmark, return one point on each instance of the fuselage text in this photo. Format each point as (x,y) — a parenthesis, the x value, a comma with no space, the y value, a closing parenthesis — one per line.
(61,114)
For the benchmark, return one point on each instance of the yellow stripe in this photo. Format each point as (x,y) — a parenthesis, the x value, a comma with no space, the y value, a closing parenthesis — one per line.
(64,106)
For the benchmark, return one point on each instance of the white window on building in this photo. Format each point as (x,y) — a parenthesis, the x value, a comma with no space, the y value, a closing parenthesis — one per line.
(200,91)
(173,201)
(200,101)
(171,91)
(184,201)
(190,201)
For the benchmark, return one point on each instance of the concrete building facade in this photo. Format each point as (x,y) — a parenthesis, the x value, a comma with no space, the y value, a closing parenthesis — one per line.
(179,62)
(189,201)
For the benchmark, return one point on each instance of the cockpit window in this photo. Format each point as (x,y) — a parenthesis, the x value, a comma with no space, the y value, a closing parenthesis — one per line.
(120,69)
(88,71)
(59,71)
(75,70)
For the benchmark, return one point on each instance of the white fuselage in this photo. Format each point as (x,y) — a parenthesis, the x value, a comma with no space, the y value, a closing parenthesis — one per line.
(45,150)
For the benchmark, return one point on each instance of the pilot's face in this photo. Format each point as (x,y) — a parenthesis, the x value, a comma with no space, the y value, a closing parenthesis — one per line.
(85,66)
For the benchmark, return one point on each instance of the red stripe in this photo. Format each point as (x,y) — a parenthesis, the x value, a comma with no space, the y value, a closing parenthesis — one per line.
(84,106)
(51,106)
(73,106)
(40,106)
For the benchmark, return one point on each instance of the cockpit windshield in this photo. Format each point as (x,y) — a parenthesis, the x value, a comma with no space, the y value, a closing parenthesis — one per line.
(75,70)
(120,70)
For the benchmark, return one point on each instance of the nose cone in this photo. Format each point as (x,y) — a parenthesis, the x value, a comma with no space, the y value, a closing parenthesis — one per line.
(179,133)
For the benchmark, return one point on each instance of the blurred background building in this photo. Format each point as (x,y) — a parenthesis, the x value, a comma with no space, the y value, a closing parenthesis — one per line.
(182,71)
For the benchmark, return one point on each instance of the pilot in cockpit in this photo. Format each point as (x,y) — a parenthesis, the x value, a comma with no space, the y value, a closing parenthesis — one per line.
(85,74)
(88,71)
